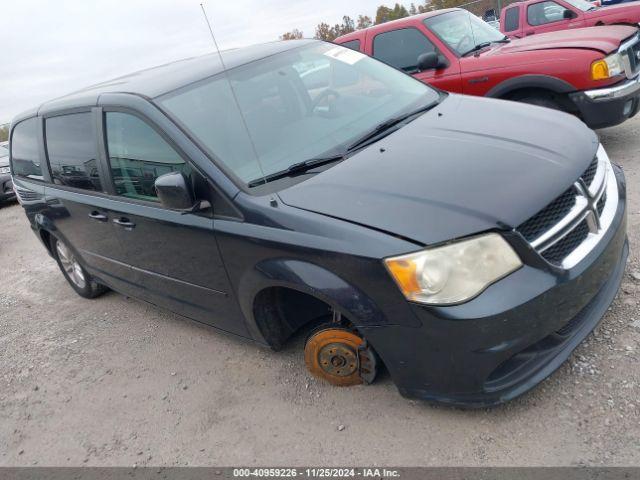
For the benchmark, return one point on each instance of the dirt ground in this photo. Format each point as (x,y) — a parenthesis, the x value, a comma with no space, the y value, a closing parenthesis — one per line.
(117,382)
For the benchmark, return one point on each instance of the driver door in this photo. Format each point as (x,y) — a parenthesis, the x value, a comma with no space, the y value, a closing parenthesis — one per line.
(401,48)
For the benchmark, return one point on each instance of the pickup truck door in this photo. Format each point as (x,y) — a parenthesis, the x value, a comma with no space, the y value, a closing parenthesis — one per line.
(401,47)
(549,16)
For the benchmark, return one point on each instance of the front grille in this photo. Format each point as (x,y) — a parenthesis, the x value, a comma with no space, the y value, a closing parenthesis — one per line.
(590,173)
(548,216)
(561,227)
(560,250)
(601,203)
(631,50)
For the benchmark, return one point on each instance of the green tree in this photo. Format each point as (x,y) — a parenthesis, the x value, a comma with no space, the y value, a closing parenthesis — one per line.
(4,133)
(364,21)
(325,32)
(294,34)
(385,14)
(348,25)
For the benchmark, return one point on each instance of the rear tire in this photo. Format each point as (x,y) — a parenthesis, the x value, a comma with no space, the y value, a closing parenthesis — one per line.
(79,279)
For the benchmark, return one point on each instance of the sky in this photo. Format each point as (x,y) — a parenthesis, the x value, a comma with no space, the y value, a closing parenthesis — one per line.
(50,48)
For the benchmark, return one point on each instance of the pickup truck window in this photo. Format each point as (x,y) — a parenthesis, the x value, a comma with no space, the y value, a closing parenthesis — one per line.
(544,12)
(512,19)
(353,45)
(462,31)
(401,48)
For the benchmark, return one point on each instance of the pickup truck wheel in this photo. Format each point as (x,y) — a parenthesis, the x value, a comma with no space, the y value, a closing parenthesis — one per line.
(339,356)
(79,279)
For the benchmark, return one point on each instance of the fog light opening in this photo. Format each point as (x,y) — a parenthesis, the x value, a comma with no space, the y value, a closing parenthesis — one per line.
(627,108)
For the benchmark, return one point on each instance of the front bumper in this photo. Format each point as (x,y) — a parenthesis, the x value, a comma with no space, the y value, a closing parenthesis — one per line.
(513,336)
(6,188)
(606,107)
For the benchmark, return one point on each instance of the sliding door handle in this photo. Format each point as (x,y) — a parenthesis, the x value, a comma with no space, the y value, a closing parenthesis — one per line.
(98,216)
(124,222)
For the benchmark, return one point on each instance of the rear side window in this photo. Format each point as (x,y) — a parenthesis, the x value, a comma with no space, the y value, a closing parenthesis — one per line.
(401,48)
(544,12)
(138,155)
(25,155)
(71,150)
(512,19)
(353,45)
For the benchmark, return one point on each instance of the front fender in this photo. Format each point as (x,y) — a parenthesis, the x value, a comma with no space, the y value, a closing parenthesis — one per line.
(310,279)
(544,82)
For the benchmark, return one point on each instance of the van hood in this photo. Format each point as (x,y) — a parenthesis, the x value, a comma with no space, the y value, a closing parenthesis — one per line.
(469,165)
(603,39)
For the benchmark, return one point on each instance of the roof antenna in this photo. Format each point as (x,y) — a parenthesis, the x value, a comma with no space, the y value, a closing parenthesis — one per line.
(233,92)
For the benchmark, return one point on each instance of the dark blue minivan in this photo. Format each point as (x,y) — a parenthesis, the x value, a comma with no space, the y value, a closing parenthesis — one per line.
(467,245)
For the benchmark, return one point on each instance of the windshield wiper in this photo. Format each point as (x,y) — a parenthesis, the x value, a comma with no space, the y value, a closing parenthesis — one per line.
(387,126)
(296,168)
(482,45)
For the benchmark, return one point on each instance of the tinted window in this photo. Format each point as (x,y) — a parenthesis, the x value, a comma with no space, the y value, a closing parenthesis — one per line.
(401,48)
(512,19)
(25,155)
(138,155)
(353,45)
(544,12)
(71,151)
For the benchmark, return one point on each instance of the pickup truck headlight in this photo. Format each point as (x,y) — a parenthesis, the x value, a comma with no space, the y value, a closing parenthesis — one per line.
(4,170)
(608,67)
(453,273)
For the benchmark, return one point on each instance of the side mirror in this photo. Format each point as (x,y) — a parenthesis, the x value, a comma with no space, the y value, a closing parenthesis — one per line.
(173,192)
(569,15)
(431,61)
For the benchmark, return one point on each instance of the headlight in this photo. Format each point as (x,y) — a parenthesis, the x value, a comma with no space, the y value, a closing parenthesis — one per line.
(4,170)
(454,273)
(608,67)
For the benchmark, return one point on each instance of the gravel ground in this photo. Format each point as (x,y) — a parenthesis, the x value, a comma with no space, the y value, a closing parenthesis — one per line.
(117,382)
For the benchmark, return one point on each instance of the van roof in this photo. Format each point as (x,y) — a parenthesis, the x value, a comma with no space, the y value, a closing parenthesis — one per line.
(156,81)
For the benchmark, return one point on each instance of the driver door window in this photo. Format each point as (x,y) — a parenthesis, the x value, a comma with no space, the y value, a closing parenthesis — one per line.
(401,48)
(138,155)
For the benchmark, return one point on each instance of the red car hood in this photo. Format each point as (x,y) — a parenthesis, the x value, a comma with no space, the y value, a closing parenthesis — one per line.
(604,39)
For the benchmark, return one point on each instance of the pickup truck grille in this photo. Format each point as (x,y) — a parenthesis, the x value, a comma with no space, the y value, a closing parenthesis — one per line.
(630,52)
(567,229)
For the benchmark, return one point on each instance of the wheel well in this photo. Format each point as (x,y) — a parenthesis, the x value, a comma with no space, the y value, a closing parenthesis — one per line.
(280,312)
(560,98)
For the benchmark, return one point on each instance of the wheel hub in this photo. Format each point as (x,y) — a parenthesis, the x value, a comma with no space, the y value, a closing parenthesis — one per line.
(338,359)
(339,356)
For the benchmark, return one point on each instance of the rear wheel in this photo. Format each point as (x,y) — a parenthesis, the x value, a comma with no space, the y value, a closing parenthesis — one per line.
(79,279)
(339,356)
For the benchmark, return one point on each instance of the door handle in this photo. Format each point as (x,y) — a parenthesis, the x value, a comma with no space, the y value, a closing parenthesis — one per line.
(529,33)
(124,222)
(98,216)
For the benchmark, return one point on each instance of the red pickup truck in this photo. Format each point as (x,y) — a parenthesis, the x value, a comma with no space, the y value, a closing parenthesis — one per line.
(593,73)
(540,16)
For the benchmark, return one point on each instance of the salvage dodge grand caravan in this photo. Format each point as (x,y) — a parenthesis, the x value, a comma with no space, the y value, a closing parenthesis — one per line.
(466,244)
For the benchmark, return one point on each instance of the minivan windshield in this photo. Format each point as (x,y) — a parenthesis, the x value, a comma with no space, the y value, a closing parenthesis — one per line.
(296,106)
(463,31)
